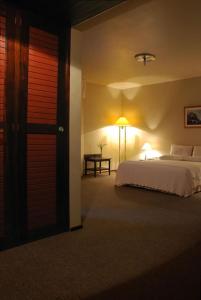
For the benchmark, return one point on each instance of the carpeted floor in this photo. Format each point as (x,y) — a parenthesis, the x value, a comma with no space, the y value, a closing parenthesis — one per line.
(135,244)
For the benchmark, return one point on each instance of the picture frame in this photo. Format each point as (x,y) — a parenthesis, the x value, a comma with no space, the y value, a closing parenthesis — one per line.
(192,116)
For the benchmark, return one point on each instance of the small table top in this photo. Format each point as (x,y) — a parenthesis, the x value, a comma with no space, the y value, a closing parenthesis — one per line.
(94,158)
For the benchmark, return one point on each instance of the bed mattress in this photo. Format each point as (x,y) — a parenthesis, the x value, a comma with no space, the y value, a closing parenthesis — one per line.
(182,178)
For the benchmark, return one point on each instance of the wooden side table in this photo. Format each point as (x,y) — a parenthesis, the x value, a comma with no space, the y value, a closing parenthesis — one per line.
(96,158)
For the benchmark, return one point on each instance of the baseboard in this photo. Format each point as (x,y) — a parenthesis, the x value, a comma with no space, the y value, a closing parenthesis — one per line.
(76,228)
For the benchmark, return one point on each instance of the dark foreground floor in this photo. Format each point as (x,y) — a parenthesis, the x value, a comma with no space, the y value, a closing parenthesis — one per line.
(135,244)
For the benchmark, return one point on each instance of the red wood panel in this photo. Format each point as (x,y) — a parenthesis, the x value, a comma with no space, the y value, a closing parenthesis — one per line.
(3,61)
(1,184)
(2,66)
(42,80)
(40,35)
(41,180)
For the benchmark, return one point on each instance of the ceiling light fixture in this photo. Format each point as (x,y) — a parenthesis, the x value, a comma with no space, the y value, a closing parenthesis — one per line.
(145,57)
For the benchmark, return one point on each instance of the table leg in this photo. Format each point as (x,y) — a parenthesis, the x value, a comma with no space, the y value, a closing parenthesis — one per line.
(94,168)
(109,166)
(85,167)
(100,167)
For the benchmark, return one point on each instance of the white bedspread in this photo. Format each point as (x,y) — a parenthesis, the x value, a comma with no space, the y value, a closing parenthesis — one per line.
(178,177)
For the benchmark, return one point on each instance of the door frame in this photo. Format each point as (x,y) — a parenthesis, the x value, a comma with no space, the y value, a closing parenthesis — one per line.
(62,141)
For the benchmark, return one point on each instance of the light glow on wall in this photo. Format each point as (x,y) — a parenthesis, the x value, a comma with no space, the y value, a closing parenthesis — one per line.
(132,132)
(115,93)
(112,133)
(131,93)
(109,135)
(123,85)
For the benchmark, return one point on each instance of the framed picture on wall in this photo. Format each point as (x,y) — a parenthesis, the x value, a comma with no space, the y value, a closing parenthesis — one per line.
(192,116)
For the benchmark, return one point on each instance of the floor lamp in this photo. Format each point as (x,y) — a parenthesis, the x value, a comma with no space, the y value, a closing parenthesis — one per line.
(122,123)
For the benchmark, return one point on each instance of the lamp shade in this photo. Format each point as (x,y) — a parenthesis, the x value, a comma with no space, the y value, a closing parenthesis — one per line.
(146,146)
(122,121)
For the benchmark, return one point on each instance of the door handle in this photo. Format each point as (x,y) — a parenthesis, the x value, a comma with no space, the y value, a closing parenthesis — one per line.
(61,129)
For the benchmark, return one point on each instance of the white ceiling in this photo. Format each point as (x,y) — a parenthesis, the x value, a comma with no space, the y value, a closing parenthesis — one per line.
(169,29)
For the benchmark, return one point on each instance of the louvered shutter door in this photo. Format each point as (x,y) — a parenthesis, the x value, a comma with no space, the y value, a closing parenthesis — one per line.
(41,124)
(2,120)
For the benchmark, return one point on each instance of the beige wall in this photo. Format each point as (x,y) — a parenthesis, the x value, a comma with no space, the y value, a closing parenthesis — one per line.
(158,110)
(75,129)
(156,114)
(101,108)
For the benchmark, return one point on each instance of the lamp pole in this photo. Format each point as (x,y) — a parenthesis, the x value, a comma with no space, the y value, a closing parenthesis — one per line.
(119,144)
(125,143)
(123,128)
(122,122)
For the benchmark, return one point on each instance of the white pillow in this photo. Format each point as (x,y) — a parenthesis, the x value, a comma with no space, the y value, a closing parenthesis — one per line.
(181,150)
(180,157)
(197,151)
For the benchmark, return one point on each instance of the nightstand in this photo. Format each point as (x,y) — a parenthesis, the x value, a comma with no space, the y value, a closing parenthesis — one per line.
(96,158)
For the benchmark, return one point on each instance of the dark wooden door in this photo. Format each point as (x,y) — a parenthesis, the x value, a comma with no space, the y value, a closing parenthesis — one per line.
(45,138)
(42,129)
(3,61)
(34,91)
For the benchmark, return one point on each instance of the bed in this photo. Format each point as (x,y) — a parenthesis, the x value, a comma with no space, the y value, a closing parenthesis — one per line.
(176,174)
